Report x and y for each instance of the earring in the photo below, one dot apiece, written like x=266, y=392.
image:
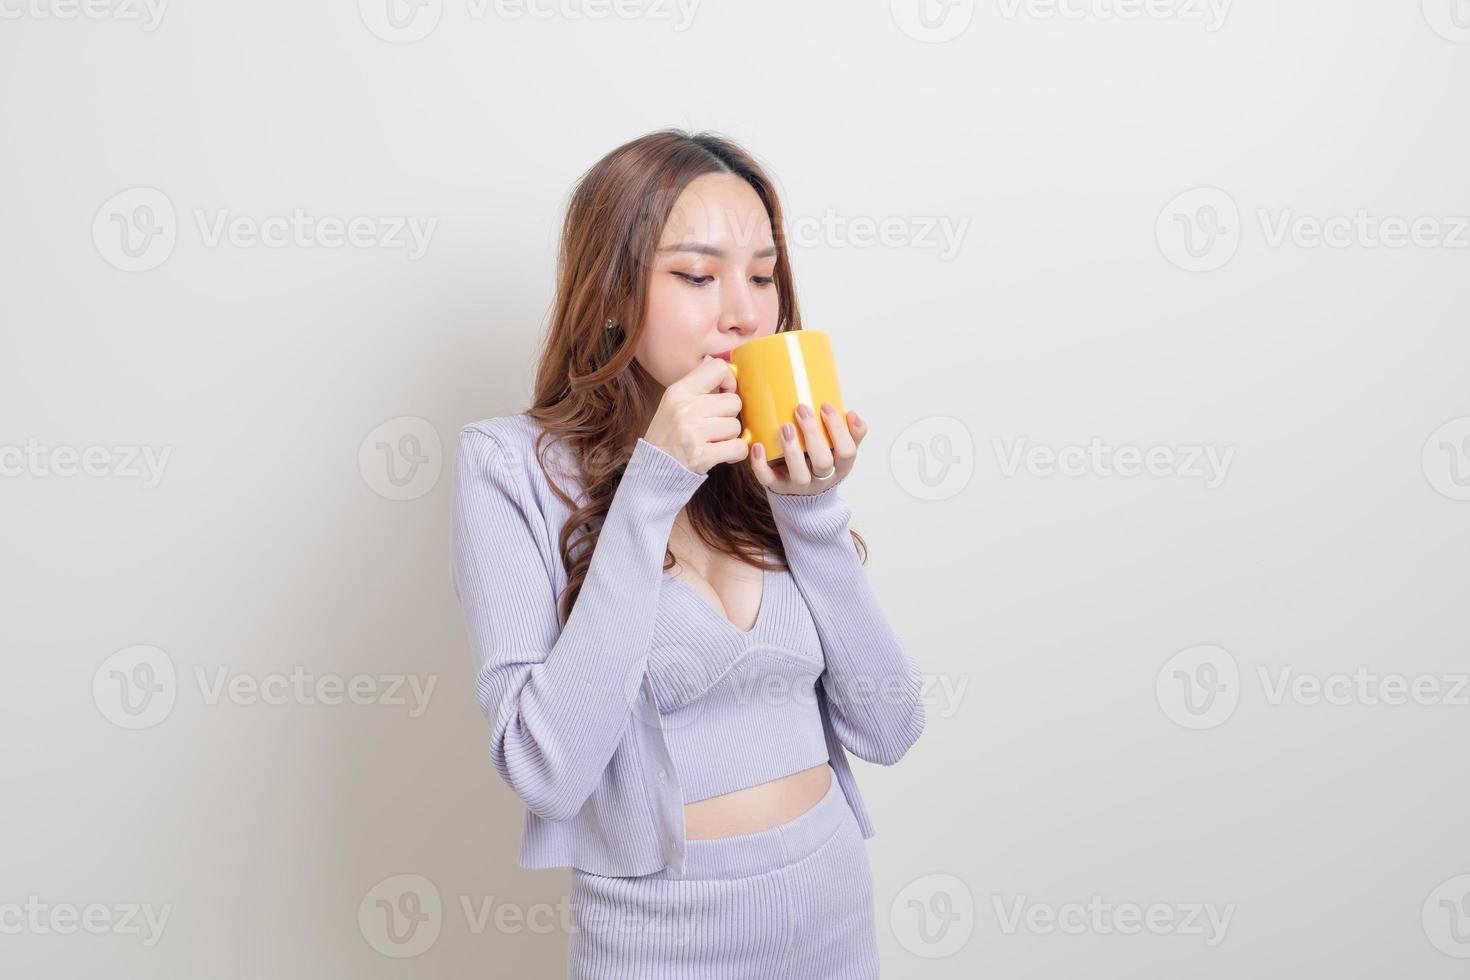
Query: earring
x=609, y=324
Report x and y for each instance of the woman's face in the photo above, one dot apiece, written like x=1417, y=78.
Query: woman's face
x=710, y=283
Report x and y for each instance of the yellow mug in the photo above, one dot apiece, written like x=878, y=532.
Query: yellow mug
x=774, y=374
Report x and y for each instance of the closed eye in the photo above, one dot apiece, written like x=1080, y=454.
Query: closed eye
x=701, y=280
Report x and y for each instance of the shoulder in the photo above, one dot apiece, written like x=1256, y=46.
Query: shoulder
x=509, y=442
x=509, y=433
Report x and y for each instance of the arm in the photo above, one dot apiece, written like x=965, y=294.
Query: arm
x=873, y=687
x=558, y=700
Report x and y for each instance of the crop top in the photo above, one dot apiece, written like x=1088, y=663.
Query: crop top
x=737, y=707
x=605, y=726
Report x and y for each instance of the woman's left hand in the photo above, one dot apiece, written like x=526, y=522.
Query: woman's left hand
x=792, y=474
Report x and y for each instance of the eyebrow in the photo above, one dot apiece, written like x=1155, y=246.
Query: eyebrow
x=703, y=249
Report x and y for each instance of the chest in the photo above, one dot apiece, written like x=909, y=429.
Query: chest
x=696, y=650
x=733, y=589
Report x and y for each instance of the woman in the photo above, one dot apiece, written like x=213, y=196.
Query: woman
x=677, y=648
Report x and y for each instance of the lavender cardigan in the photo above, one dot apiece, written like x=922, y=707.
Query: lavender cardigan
x=575, y=729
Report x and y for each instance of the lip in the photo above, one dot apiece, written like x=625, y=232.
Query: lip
x=723, y=355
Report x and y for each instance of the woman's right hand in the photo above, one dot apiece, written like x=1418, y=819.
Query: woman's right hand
x=698, y=419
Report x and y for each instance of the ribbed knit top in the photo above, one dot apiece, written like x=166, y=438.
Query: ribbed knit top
x=738, y=707
x=606, y=725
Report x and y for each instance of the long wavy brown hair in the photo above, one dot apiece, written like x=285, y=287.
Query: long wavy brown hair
x=590, y=390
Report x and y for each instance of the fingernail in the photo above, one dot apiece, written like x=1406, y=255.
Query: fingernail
x=857, y=418
x=827, y=407
x=803, y=412
x=788, y=430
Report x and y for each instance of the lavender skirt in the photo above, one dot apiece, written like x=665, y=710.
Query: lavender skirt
x=791, y=901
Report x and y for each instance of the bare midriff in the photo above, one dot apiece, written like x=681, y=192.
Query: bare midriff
x=757, y=807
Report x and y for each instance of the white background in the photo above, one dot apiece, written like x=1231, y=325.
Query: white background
x=1072, y=764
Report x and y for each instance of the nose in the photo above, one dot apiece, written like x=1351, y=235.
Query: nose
x=738, y=310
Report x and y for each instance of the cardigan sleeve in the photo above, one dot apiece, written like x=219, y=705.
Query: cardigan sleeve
x=873, y=687
x=558, y=698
